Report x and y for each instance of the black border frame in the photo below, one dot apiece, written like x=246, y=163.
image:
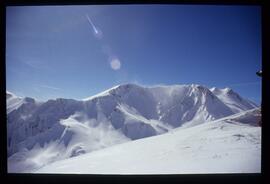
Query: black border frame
x=186, y=178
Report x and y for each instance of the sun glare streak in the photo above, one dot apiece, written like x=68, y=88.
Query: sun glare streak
x=97, y=32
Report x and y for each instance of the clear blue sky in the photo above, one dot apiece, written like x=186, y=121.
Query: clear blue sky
x=78, y=51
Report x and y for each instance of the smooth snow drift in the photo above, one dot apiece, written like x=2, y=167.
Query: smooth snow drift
x=40, y=133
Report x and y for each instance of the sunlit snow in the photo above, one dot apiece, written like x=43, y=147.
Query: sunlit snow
x=133, y=129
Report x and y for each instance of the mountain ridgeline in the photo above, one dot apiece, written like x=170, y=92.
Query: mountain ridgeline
x=122, y=113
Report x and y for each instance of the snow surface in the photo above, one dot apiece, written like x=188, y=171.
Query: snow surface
x=13, y=102
x=233, y=100
x=219, y=146
x=68, y=139
x=40, y=133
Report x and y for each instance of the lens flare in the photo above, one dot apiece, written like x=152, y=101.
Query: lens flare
x=115, y=64
x=97, y=32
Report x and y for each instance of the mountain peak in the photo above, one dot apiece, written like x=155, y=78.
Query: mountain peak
x=214, y=89
x=195, y=86
x=218, y=91
x=227, y=90
x=127, y=86
x=9, y=94
x=103, y=93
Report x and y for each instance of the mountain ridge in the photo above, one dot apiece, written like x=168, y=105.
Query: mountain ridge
x=125, y=112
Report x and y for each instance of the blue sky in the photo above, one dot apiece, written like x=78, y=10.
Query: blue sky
x=78, y=51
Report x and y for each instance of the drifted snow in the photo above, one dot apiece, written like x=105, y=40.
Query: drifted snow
x=42, y=133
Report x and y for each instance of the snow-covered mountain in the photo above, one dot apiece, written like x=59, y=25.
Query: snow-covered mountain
x=44, y=132
x=233, y=100
x=13, y=102
x=227, y=145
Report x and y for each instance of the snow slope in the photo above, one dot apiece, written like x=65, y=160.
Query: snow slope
x=72, y=137
x=233, y=100
x=13, y=102
x=64, y=128
x=228, y=145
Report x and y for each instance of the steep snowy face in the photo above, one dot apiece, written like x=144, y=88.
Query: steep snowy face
x=138, y=98
x=172, y=105
x=184, y=103
x=130, y=109
x=20, y=120
x=26, y=123
x=233, y=100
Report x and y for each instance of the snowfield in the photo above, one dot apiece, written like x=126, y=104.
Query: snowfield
x=130, y=129
x=223, y=146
